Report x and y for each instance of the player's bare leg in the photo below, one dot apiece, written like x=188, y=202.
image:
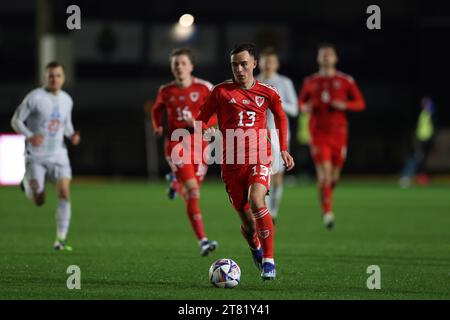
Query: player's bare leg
x=324, y=180
x=264, y=228
x=63, y=214
x=192, y=197
x=174, y=186
x=276, y=192
x=248, y=230
x=31, y=190
x=39, y=198
x=335, y=176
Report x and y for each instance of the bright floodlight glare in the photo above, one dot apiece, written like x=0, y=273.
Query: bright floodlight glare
x=180, y=33
x=12, y=164
x=186, y=20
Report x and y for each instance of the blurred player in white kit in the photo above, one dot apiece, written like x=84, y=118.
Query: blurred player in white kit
x=44, y=117
x=268, y=65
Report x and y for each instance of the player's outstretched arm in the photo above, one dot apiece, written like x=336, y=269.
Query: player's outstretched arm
x=69, y=131
x=356, y=101
x=280, y=120
x=157, y=114
x=18, y=123
x=281, y=124
x=20, y=116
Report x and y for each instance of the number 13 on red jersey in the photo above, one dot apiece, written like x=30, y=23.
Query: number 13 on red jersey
x=250, y=116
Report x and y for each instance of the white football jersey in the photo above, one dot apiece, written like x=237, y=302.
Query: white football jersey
x=289, y=100
x=47, y=114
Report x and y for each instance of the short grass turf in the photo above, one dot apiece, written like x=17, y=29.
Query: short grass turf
x=131, y=242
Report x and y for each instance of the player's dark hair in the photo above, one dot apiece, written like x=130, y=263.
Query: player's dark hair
x=53, y=64
x=249, y=47
x=182, y=51
x=326, y=45
x=268, y=51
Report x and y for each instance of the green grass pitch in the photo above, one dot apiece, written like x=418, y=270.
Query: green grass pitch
x=131, y=242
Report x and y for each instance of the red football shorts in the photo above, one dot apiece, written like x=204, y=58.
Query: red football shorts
x=185, y=172
x=238, y=181
x=332, y=151
x=192, y=166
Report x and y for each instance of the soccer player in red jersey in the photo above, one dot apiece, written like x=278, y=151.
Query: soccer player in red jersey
x=241, y=105
x=182, y=99
x=327, y=95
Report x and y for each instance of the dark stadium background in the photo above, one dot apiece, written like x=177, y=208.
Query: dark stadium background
x=393, y=66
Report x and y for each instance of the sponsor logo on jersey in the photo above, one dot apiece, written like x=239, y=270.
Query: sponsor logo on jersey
x=259, y=101
x=232, y=100
x=246, y=101
x=54, y=122
x=194, y=96
x=181, y=98
x=53, y=126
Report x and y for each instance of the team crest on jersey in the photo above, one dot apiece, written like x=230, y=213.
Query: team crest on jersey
x=194, y=96
x=259, y=101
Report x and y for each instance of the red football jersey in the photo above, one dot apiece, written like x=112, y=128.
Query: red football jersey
x=180, y=103
x=321, y=91
x=245, y=109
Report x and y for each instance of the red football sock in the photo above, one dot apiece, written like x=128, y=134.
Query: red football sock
x=252, y=239
x=326, y=198
x=193, y=211
x=264, y=229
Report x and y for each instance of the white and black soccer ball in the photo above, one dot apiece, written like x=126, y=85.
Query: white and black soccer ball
x=224, y=273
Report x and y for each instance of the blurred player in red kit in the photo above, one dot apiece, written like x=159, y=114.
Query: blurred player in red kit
x=241, y=105
x=327, y=95
x=182, y=99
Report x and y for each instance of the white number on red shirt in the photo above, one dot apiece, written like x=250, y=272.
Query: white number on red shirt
x=251, y=116
x=263, y=171
x=183, y=114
